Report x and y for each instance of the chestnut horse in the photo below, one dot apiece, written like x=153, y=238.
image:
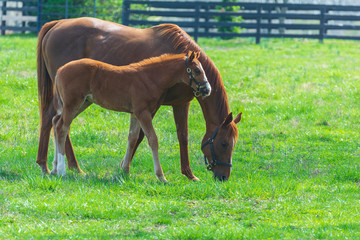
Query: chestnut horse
x=82, y=82
x=65, y=40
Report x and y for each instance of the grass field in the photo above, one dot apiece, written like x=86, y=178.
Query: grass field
x=296, y=171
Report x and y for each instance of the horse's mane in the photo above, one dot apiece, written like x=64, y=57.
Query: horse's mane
x=182, y=42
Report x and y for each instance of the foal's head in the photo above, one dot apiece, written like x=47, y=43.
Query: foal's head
x=198, y=80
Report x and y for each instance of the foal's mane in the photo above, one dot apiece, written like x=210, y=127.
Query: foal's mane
x=158, y=60
x=182, y=42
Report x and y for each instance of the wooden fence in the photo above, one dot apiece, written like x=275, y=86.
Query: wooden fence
x=258, y=20
x=199, y=19
x=18, y=16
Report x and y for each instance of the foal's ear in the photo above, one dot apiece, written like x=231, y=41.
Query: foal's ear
x=191, y=56
x=238, y=118
x=197, y=54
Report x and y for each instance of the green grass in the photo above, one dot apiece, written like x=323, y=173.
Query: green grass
x=296, y=167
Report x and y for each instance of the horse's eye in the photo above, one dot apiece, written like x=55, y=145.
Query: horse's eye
x=224, y=144
x=197, y=71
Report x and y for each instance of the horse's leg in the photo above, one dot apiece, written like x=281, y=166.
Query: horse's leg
x=69, y=151
x=140, y=137
x=70, y=156
x=181, y=113
x=45, y=129
x=139, y=140
x=132, y=143
x=145, y=119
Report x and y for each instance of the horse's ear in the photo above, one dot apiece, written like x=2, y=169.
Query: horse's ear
x=191, y=56
x=238, y=118
x=228, y=120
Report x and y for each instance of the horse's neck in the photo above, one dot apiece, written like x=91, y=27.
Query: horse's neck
x=215, y=107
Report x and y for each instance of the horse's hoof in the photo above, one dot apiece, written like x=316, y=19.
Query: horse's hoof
x=194, y=179
x=125, y=171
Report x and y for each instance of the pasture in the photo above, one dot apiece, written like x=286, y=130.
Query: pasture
x=296, y=168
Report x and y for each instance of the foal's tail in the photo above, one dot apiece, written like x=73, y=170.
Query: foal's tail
x=45, y=84
x=58, y=103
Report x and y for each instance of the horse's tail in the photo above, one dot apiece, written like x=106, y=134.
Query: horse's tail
x=45, y=84
x=58, y=103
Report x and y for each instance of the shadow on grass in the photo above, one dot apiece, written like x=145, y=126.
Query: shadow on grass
x=115, y=177
x=8, y=175
x=126, y=235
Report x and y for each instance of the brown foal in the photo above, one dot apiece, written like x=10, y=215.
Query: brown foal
x=137, y=88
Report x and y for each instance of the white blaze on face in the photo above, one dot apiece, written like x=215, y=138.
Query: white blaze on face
x=208, y=86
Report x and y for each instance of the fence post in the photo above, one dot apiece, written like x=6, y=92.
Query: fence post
x=94, y=15
x=38, y=22
x=3, y=22
x=125, y=13
x=322, y=25
x=207, y=9
x=196, y=27
x=258, y=25
x=269, y=20
x=66, y=9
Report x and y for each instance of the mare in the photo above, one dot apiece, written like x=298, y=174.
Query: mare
x=62, y=41
x=80, y=83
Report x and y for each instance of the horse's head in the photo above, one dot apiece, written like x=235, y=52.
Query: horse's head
x=218, y=147
x=198, y=80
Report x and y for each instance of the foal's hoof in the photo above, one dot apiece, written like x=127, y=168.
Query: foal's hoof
x=162, y=179
x=79, y=171
x=45, y=169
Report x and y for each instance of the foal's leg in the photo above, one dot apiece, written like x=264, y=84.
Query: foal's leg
x=55, y=162
x=139, y=139
x=145, y=119
x=132, y=143
x=181, y=113
x=61, y=129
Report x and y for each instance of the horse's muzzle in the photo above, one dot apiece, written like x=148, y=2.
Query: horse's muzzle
x=220, y=178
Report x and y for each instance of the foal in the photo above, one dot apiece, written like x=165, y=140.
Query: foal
x=137, y=88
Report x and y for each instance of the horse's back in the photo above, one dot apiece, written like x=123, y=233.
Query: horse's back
x=72, y=39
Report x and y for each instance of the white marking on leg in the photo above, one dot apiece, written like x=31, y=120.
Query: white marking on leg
x=61, y=164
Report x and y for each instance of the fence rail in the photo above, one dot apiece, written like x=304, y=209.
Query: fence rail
x=16, y=16
x=259, y=20
x=199, y=19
